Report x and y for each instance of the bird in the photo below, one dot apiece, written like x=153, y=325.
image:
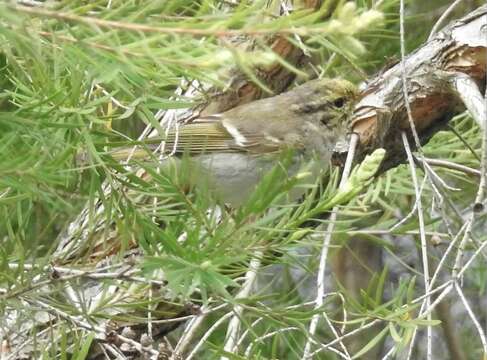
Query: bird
x=233, y=150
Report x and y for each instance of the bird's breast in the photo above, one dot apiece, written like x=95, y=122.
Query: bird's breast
x=234, y=176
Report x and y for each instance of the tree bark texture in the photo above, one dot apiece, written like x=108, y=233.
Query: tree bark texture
x=381, y=115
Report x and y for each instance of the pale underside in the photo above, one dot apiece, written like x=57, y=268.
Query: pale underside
x=232, y=177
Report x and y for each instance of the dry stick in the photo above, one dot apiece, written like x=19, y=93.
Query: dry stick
x=324, y=252
x=266, y=336
x=149, y=314
x=472, y=315
x=466, y=228
x=234, y=324
x=483, y=164
x=469, y=262
x=187, y=336
x=422, y=312
x=446, y=253
x=112, y=98
x=13, y=355
x=189, y=332
x=207, y=334
x=462, y=218
x=390, y=352
x=332, y=349
x=468, y=91
x=61, y=273
x=432, y=282
x=410, y=214
x=430, y=172
x=31, y=2
x=347, y=335
x=453, y=166
x=450, y=332
x=100, y=332
x=424, y=250
x=388, y=232
x=112, y=350
x=430, y=293
x=440, y=298
x=448, y=287
x=344, y=315
x=479, y=112
x=247, y=331
x=442, y=18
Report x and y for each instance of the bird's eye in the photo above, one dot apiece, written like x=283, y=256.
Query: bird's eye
x=339, y=102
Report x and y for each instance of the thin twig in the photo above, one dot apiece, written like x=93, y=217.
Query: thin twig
x=390, y=352
x=320, y=281
x=67, y=274
x=472, y=315
x=424, y=250
x=424, y=246
x=453, y=166
x=445, y=255
x=246, y=332
x=430, y=293
x=207, y=334
x=268, y=335
x=411, y=213
x=438, y=299
x=456, y=274
x=190, y=330
x=423, y=298
x=345, y=336
x=442, y=18
x=31, y=2
x=234, y=324
x=100, y=332
x=469, y=262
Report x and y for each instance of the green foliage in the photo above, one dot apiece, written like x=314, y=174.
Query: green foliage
x=78, y=78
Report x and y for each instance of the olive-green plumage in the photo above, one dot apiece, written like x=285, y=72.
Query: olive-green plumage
x=269, y=124
x=236, y=147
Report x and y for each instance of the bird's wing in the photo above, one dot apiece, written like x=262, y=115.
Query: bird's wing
x=222, y=134
x=215, y=133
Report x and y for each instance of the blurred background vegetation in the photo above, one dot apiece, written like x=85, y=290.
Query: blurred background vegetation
x=77, y=77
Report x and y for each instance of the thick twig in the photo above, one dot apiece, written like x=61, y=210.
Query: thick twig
x=467, y=90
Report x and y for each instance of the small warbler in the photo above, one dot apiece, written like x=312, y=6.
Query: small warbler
x=237, y=147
